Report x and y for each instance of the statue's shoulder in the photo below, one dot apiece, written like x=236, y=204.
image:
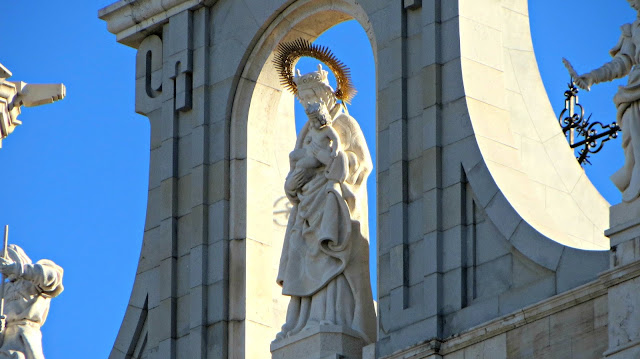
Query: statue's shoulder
x=626, y=29
x=351, y=136
x=49, y=265
x=625, y=40
x=53, y=273
x=348, y=122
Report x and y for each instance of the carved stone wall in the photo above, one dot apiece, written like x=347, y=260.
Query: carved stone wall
x=572, y=325
x=474, y=177
x=170, y=310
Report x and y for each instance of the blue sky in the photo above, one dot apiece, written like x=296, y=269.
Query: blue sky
x=75, y=173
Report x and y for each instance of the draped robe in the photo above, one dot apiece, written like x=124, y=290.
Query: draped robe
x=27, y=301
x=324, y=265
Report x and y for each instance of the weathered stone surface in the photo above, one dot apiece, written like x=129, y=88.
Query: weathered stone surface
x=564, y=327
x=474, y=180
x=320, y=343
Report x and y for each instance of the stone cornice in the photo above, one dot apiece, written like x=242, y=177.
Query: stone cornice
x=545, y=308
x=621, y=274
x=132, y=20
x=503, y=324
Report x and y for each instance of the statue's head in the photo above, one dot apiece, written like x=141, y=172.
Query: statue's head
x=635, y=4
x=314, y=88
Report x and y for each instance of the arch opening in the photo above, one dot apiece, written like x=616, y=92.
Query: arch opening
x=263, y=132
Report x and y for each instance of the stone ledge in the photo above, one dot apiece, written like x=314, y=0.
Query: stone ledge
x=132, y=20
x=325, y=341
x=623, y=232
x=620, y=274
x=624, y=218
x=619, y=349
x=509, y=322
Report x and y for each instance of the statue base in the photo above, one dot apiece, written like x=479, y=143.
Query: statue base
x=623, y=281
x=322, y=342
x=624, y=233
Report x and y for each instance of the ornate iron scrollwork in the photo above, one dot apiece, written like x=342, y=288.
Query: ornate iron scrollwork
x=580, y=132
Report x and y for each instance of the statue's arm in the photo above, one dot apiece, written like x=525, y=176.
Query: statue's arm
x=302, y=134
x=291, y=182
x=46, y=275
x=618, y=67
x=335, y=141
x=290, y=186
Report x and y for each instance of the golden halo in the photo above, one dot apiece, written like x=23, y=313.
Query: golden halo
x=289, y=52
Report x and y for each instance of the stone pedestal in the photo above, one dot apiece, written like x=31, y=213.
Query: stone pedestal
x=323, y=342
x=623, y=280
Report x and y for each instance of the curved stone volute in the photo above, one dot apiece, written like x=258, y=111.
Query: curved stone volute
x=517, y=132
x=510, y=218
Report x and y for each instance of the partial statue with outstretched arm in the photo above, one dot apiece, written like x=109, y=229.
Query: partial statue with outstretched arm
x=15, y=94
x=625, y=60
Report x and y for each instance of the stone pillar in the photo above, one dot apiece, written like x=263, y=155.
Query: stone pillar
x=623, y=280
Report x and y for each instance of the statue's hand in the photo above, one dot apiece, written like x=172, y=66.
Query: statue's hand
x=10, y=268
x=584, y=82
x=301, y=178
x=296, y=180
x=321, y=154
x=290, y=184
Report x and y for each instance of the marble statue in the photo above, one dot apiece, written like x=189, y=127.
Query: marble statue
x=625, y=58
x=324, y=266
x=27, y=297
x=14, y=95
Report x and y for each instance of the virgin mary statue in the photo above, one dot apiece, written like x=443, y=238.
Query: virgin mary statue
x=324, y=266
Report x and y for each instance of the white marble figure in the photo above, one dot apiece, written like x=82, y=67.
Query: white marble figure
x=28, y=294
x=324, y=266
x=15, y=94
x=626, y=58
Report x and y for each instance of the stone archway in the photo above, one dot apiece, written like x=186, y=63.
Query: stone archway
x=449, y=225
x=262, y=134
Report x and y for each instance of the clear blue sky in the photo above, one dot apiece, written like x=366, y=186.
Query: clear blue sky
x=75, y=173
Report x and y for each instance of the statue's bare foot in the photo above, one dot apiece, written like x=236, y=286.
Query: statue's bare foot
x=311, y=324
x=281, y=336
